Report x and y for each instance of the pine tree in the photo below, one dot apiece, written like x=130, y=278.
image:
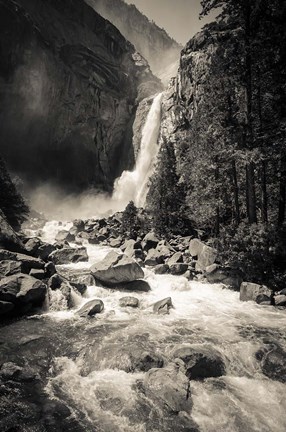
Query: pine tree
x=166, y=196
x=11, y=202
x=130, y=224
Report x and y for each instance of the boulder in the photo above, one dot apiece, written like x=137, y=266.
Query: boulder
x=273, y=363
x=37, y=274
x=79, y=278
x=21, y=289
x=78, y=224
x=69, y=255
x=9, y=239
x=169, y=387
x=201, y=361
x=175, y=259
x=39, y=249
x=150, y=241
x=64, y=236
x=29, y=263
x=206, y=257
x=227, y=276
x=91, y=308
x=249, y=291
x=280, y=300
x=57, y=282
x=178, y=268
x=154, y=257
x=116, y=242
x=263, y=299
x=129, y=302
x=115, y=269
x=50, y=269
x=196, y=247
x=8, y=267
x=163, y=306
x=161, y=269
x=145, y=360
x=95, y=238
x=6, y=307
x=137, y=285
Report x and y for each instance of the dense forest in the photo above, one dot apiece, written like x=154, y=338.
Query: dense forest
x=231, y=146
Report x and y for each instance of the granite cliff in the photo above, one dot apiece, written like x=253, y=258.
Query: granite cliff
x=70, y=85
x=161, y=51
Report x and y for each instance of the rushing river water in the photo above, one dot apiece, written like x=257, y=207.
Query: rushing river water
x=90, y=358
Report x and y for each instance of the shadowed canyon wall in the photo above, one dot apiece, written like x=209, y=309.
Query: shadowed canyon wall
x=69, y=88
x=161, y=51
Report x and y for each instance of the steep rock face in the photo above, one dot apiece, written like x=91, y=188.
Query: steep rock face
x=161, y=51
x=70, y=84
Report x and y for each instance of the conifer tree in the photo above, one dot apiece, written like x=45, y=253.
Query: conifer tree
x=166, y=196
x=130, y=224
x=11, y=202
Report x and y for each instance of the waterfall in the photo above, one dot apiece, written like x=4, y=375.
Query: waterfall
x=133, y=185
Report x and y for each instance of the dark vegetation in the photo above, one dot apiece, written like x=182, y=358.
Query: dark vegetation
x=233, y=161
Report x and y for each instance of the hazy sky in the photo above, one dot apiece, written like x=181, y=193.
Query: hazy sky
x=180, y=18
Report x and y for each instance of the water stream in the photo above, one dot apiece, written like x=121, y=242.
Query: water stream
x=92, y=371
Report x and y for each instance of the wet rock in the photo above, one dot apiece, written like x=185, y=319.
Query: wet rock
x=143, y=361
x=163, y=306
x=22, y=289
x=8, y=267
x=79, y=278
x=227, y=276
x=201, y=361
x=263, y=299
x=116, y=242
x=37, y=274
x=50, y=269
x=154, y=257
x=6, y=307
x=273, y=363
x=178, y=268
x=250, y=291
x=137, y=285
x=280, y=300
x=9, y=239
x=64, y=236
x=175, y=259
x=39, y=249
x=196, y=247
x=69, y=255
x=78, y=224
x=95, y=238
x=57, y=282
x=169, y=387
x=150, y=241
x=115, y=269
x=161, y=269
x=11, y=371
x=129, y=302
x=91, y=308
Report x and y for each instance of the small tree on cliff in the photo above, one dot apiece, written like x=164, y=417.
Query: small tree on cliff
x=130, y=224
x=11, y=202
x=166, y=196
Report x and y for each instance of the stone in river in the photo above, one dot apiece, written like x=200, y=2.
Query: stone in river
x=169, y=387
x=115, y=269
x=201, y=361
x=250, y=291
x=69, y=255
x=129, y=302
x=91, y=308
x=163, y=306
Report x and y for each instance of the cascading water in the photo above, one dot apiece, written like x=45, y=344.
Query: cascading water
x=93, y=359
x=133, y=185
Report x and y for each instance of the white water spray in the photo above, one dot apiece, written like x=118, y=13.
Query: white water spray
x=133, y=185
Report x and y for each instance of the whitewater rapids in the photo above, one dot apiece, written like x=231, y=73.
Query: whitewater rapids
x=95, y=382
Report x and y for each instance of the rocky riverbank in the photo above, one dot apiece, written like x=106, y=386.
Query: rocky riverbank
x=157, y=344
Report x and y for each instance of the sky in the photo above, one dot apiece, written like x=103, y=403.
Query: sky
x=180, y=18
